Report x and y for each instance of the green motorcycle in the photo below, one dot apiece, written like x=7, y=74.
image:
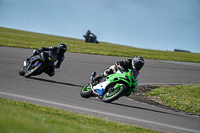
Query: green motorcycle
x=111, y=87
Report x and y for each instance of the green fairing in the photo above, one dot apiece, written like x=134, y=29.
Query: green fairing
x=116, y=85
x=132, y=83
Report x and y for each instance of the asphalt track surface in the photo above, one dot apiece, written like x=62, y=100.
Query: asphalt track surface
x=63, y=90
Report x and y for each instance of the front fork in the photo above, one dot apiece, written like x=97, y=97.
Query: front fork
x=94, y=92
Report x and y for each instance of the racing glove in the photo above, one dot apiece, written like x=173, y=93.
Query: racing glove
x=120, y=67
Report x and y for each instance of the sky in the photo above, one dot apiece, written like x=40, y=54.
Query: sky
x=149, y=24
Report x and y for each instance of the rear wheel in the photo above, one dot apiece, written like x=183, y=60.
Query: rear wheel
x=86, y=91
x=32, y=70
x=113, y=94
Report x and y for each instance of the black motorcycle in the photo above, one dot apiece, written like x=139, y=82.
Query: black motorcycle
x=38, y=64
x=90, y=39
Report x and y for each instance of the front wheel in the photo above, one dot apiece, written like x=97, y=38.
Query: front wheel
x=21, y=71
x=86, y=91
x=114, y=93
x=33, y=69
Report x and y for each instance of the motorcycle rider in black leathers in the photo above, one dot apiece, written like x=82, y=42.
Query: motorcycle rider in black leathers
x=59, y=51
x=135, y=64
x=90, y=37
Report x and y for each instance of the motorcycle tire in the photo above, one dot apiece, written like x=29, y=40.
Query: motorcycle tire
x=21, y=72
x=86, y=91
x=30, y=72
x=114, y=95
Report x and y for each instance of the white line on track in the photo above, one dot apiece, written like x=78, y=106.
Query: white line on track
x=162, y=84
x=99, y=112
x=183, y=63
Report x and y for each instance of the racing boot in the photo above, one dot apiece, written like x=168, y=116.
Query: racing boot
x=98, y=78
x=92, y=77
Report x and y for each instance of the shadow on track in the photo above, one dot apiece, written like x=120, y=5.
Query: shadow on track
x=56, y=82
x=140, y=108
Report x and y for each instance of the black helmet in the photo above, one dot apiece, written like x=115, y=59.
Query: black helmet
x=137, y=63
x=62, y=48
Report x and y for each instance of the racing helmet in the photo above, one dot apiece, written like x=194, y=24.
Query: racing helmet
x=62, y=48
x=137, y=63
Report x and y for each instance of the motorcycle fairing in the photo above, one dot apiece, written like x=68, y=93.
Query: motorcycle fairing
x=34, y=58
x=101, y=87
x=26, y=64
x=116, y=80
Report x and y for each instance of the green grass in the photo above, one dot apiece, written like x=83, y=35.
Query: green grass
x=21, y=117
x=23, y=39
x=185, y=97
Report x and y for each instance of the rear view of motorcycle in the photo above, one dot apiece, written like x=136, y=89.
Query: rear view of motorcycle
x=111, y=87
x=37, y=64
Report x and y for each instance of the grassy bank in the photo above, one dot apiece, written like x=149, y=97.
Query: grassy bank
x=185, y=97
x=21, y=117
x=23, y=39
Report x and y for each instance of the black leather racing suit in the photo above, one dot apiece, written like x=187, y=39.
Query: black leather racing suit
x=60, y=58
x=124, y=65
